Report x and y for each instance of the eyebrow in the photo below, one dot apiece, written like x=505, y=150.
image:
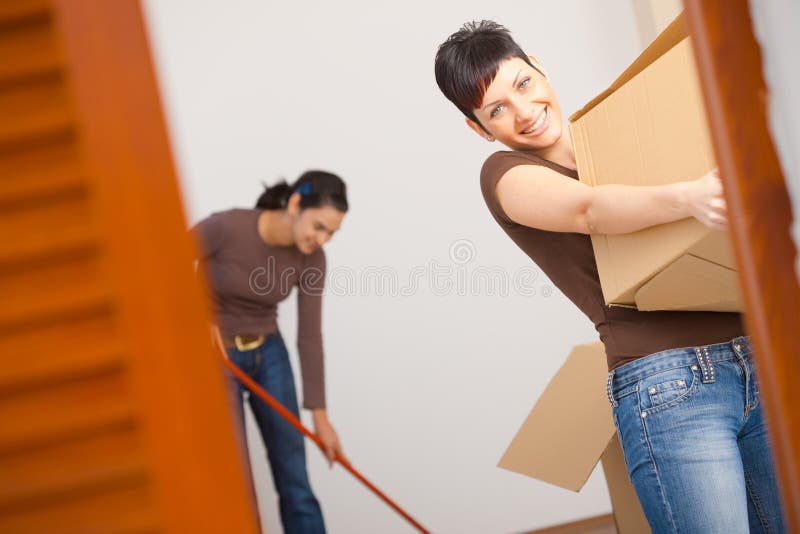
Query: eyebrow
x=513, y=84
x=326, y=228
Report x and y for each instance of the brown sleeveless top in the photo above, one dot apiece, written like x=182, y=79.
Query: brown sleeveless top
x=568, y=260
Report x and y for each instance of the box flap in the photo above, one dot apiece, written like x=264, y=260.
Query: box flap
x=628, y=513
x=568, y=429
x=716, y=248
x=626, y=261
x=691, y=283
x=672, y=35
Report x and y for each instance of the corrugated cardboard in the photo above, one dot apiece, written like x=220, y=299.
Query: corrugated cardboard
x=650, y=128
x=628, y=514
x=570, y=429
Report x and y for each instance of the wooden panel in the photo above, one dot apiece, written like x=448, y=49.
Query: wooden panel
x=28, y=49
x=41, y=475
x=120, y=509
x=48, y=413
x=16, y=11
x=37, y=228
x=33, y=109
x=729, y=63
x=174, y=374
x=114, y=414
x=94, y=346
x=37, y=281
x=45, y=170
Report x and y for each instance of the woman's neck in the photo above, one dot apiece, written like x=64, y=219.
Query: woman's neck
x=561, y=152
x=275, y=229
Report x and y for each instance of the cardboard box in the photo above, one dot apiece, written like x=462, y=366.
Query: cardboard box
x=570, y=429
x=650, y=128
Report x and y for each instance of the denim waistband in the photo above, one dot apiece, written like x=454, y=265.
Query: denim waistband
x=703, y=356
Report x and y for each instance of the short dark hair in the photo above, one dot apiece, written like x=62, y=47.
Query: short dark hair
x=468, y=61
x=316, y=189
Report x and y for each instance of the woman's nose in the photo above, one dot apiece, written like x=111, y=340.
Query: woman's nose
x=524, y=112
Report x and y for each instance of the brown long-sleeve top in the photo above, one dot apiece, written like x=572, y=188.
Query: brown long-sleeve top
x=248, y=279
x=568, y=260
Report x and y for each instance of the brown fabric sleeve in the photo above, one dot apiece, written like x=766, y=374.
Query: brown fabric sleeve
x=309, y=329
x=209, y=235
x=493, y=169
x=497, y=165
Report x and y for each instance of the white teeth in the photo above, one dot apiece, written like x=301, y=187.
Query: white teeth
x=538, y=122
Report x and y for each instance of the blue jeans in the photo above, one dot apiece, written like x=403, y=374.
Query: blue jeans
x=695, y=442
x=269, y=366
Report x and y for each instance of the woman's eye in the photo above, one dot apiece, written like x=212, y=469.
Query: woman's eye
x=495, y=111
x=524, y=83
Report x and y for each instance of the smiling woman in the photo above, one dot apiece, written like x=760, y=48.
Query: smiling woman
x=515, y=123
x=253, y=258
x=695, y=366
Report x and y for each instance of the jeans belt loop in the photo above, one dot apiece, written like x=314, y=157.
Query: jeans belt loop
x=609, y=393
x=706, y=367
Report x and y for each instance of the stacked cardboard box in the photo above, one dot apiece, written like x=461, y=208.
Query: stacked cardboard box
x=649, y=127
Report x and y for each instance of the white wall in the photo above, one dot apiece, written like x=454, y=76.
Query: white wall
x=652, y=16
x=426, y=389
x=775, y=24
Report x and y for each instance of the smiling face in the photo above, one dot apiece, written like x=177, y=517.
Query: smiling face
x=313, y=227
x=520, y=109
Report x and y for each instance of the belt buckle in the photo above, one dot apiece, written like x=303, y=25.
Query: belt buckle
x=250, y=345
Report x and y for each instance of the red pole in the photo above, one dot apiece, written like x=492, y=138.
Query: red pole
x=286, y=414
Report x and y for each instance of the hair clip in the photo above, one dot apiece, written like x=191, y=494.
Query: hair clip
x=304, y=189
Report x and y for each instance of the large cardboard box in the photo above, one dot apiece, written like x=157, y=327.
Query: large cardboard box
x=649, y=128
x=570, y=429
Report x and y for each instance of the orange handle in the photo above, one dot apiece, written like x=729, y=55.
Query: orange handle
x=289, y=416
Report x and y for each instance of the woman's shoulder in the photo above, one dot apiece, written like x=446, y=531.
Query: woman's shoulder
x=499, y=163
x=231, y=218
x=502, y=161
x=236, y=214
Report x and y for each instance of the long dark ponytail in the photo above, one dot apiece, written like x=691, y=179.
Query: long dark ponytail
x=316, y=189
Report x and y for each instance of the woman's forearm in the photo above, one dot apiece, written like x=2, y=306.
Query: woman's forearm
x=319, y=415
x=620, y=209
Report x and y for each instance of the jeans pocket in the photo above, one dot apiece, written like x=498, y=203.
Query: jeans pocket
x=668, y=388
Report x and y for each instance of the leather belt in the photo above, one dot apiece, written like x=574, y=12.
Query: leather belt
x=243, y=342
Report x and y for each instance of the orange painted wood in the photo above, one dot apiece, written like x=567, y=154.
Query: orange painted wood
x=176, y=381
x=16, y=11
x=51, y=170
x=33, y=110
x=729, y=64
x=28, y=49
x=109, y=509
x=114, y=415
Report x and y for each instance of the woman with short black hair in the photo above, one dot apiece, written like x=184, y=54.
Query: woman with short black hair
x=681, y=384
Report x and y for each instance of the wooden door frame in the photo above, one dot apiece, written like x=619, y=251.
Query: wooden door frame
x=729, y=64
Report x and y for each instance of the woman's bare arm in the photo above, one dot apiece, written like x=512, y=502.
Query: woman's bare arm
x=540, y=197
